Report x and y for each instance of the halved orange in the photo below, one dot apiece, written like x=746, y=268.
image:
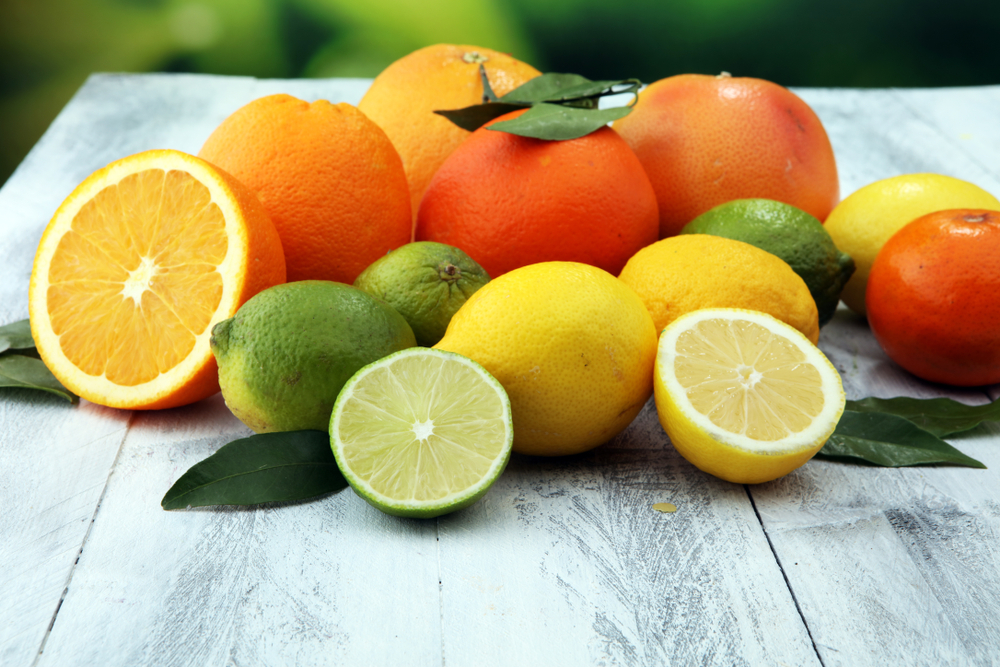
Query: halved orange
x=136, y=267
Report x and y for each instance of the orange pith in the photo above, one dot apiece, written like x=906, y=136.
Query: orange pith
x=134, y=269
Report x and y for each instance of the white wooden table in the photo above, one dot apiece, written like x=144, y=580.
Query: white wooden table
x=564, y=562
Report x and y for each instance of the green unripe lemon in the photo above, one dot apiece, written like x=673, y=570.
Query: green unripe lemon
x=286, y=354
x=791, y=234
x=426, y=282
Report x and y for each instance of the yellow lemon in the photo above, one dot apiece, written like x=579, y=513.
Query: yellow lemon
x=861, y=224
x=573, y=347
x=743, y=396
x=684, y=273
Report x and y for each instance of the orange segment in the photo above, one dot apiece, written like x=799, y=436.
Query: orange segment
x=135, y=268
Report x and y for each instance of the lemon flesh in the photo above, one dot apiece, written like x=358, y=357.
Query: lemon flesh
x=421, y=432
x=743, y=396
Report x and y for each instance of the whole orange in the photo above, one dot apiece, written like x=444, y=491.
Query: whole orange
x=403, y=98
x=933, y=297
x=328, y=176
x=706, y=140
x=509, y=201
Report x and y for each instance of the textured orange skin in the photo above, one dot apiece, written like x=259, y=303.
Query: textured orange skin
x=403, y=98
x=263, y=266
x=509, y=201
x=706, y=140
x=933, y=297
x=328, y=176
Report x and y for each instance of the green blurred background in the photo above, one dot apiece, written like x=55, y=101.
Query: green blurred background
x=48, y=47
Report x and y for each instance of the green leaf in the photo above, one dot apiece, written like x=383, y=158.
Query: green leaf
x=264, y=468
x=18, y=370
x=569, y=91
x=889, y=440
x=940, y=416
x=568, y=88
x=474, y=117
x=16, y=336
x=555, y=122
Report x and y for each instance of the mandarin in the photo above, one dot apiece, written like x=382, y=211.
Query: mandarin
x=705, y=140
x=933, y=297
x=328, y=176
x=137, y=265
x=509, y=201
x=403, y=98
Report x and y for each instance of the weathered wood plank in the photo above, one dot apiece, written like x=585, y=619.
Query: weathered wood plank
x=57, y=458
x=895, y=566
x=322, y=582
x=566, y=562
x=563, y=560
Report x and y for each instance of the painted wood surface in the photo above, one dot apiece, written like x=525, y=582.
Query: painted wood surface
x=563, y=562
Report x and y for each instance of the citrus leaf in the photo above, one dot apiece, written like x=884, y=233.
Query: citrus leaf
x=566, y=88
x=555, y=122
x=264, y=468
x=18, y=370
x=889, y=440
x=940, y=416
x=16, y=336
x=474, y=117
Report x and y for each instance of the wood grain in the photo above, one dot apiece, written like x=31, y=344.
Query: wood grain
x=563, y=562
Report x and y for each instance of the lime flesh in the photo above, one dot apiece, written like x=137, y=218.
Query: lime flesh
x=421, y=432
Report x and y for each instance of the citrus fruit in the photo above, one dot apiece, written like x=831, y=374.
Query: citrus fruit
x=328, y=176
x=134, y=269
x=685, y=273
x=573, y=347
x=791, y=234
x=421, y=432
x=705, y=140
x=934, y=297
x=426, y=283
x=403, y=98
x=288, y=351
x=509, y=201
x=864, y=221
x=743, y=396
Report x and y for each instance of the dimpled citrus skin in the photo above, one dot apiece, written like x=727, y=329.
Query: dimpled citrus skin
x=509, y=201
x=328, y=176
x=705, y=140
x=934, y=297
x=403, y=98
x=285, y=355
x=573, y=347
x=791, y=234
x=864, y=221
x=694, y=271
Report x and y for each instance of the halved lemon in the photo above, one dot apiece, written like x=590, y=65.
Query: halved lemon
x=421, y=432
x=744, y=396
x=134, y=269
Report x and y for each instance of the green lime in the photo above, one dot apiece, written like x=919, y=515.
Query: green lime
x=422, y=432
x=286, y=354
x=426, y=282
x=791, y=234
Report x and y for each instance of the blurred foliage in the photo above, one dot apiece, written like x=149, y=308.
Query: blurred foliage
x=49, y=47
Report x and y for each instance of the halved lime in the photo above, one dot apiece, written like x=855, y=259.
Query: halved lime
x=421, y=432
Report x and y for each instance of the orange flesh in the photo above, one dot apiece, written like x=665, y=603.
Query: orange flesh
x=135, y=280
